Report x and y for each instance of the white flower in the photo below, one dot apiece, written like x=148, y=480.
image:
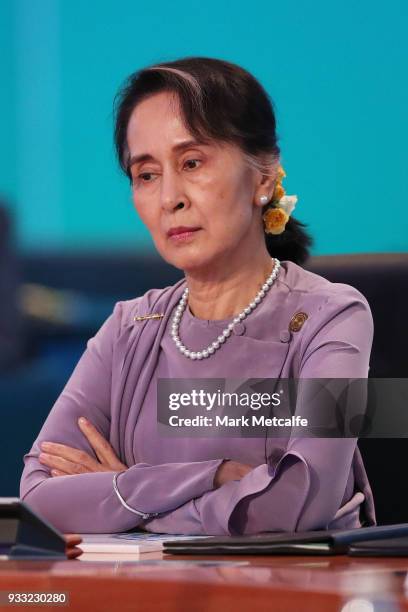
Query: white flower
x=288, y=203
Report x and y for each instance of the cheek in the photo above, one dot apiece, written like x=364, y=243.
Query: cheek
x=150, y=217
x=211, y=182
x=233, y=191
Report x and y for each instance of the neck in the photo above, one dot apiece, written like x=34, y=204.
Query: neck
x=227, y=290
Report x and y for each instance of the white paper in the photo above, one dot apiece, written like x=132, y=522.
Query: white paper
x=129, y=544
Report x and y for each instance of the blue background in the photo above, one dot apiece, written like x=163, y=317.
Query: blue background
x=336, y=71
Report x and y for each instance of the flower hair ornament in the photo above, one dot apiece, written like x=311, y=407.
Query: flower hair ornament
x=282, y=205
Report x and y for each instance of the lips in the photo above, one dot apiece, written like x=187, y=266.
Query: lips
x=182, y=229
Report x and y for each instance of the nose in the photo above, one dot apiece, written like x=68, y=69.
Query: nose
x=172, y=194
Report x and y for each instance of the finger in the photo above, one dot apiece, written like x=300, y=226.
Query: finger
x=55, y=472
x=73, y=553
x=101, y=446
x=69, y=467
x=73, y=455
x=72, y=539
x=244, y=471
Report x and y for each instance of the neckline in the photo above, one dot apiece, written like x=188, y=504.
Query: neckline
x=222, y=323
x=205, y=322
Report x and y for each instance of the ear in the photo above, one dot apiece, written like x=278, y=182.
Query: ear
x=265, y=182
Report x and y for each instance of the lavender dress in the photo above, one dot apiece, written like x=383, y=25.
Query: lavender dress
x=296, y=484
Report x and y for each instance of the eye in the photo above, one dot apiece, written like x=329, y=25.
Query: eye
x=145, y=177
x=190, y=161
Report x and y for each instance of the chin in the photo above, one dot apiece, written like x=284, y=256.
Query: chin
x=175, y=256
x=187, y=262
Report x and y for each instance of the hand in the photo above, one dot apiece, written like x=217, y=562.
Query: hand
x=71, y=549
x=230, y=470
x=65, y=460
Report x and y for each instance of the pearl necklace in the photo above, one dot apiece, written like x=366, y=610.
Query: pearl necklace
x=227, y=331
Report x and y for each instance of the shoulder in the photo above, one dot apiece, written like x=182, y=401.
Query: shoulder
x=317, y=289
x=328, y=307
x=336, y=337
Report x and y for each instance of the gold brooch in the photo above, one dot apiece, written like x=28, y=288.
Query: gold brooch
x=296, y=322
x=149, y=316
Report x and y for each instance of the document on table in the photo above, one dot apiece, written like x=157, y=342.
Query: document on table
x=125, y=545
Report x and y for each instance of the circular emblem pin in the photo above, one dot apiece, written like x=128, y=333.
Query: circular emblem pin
x=297, y=321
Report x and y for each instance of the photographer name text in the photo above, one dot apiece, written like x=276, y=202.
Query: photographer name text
x=242, y=421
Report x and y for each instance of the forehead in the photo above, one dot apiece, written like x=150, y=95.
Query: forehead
x=158, y=115
x=156, y=127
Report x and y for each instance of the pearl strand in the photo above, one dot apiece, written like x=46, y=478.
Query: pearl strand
x=210, y=350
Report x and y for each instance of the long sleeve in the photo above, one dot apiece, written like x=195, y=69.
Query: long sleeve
x=87, y=502
x=304, y=489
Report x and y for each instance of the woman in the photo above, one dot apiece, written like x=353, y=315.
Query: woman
x=197, y=139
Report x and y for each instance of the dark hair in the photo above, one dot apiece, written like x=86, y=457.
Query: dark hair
x=219, y=101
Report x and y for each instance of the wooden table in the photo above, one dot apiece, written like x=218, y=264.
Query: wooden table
x=247, y=583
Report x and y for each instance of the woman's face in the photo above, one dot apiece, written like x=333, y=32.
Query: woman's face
x=212, y=181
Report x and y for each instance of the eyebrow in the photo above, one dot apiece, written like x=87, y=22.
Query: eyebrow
x=181, y=146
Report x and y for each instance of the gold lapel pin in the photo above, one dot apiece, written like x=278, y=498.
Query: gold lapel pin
x=296, y=322
x=149, y=316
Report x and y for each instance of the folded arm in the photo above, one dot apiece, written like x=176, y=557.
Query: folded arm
x=87, y=502
x=304, y=489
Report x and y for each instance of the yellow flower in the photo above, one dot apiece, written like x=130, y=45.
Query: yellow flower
x=275, y=220
x=278, y=193
x=281, y=174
